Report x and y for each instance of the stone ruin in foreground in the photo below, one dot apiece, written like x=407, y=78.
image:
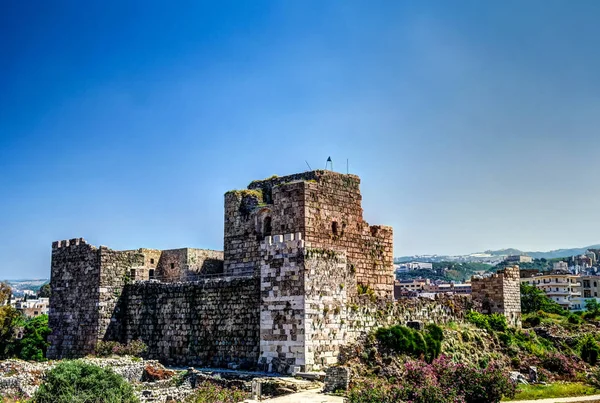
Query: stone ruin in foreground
x=301, y=275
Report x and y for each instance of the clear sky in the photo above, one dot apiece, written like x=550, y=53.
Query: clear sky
x=473, y=124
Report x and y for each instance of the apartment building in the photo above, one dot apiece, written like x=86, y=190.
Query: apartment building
x=561, y=287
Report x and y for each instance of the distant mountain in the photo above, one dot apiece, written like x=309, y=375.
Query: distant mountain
x=494, y=256
x=22, y=285
x=547, y=255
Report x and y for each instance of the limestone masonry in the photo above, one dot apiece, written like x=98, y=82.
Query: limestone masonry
x=301, y=275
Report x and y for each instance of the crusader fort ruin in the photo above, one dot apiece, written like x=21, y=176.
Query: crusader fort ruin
x=301, y=275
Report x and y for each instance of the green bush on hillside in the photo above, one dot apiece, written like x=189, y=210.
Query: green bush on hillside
x=78, y=382
x=404, y=340
x=495, y=321
x=589, y=350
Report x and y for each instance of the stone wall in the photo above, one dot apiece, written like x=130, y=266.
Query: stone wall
x=327, y=281
x=282, y=312
x=73, y=314
x=499, y=293
x=211, y=322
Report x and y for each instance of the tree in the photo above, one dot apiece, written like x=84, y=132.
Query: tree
x=34, y=341
x=593, y=307
x=533, y=299
x=44, y=291
x=5, y=293
x=9, y=318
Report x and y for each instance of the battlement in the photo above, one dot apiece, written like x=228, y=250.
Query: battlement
x=293, y=240
x=68, y=242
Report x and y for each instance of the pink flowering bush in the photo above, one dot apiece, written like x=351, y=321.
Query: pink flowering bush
x=562, y=366
x=442, y=381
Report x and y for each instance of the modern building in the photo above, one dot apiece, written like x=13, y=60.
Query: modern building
x=32, y=307
x=516, y=259
x=561, y=287
x=560, y=266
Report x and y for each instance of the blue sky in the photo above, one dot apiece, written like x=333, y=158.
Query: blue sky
x=473, y=124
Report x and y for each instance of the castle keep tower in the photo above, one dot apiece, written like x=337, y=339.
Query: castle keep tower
x=325, y=208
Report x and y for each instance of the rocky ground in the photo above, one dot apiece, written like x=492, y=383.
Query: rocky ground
x=152, y=382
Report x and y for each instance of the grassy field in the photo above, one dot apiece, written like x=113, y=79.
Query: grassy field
x=531, y=392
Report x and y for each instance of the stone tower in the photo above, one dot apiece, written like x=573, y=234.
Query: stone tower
x=500, y=293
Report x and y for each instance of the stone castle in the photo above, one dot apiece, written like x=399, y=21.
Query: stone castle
x=301, y=275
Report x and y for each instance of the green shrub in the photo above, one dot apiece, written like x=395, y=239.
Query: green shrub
x=574, y=319
x=532, y=321
x=134, y=348
x=478, y=319
x=589, y=349
x=497, y=322
x=401, y=339
x=78, y=382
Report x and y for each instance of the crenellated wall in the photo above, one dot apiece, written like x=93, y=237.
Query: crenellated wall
x=73, y=313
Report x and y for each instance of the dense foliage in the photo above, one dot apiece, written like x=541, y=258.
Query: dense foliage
x=404, y=340
x=21, y=337
x=78, y=382
x=494, y=321
x=34, y=341
x=44, y=291
x=589, y=349
x=442, y=381
x=533, y=299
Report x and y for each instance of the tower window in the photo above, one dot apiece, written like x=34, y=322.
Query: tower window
x=172, y=265
x=151, y=274
x=151, y=261
x=267, y=228
x=334, y=227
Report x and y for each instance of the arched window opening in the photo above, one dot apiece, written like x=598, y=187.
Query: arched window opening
x=267, y=227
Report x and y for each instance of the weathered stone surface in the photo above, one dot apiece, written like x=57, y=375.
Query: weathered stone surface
x=500, y=293
x=336, y=378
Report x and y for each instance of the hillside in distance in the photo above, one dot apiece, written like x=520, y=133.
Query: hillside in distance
x=490, y=255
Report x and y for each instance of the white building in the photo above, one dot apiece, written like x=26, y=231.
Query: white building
x=559, y=287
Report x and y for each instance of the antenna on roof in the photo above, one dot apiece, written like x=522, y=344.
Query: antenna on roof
x=330, y=163
x=309, y=168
